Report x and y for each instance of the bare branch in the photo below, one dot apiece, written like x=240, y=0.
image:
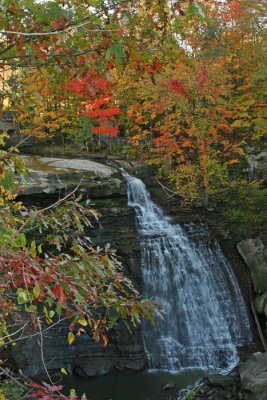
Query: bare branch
x=42, y=352
x=7, y=373
x=69, y=29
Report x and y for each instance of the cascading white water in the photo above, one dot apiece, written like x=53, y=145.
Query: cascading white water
x=205, y=314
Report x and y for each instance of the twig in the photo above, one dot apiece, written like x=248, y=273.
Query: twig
x=166, y=189
x=15, y=147
x=38, y=212
x=42, y=352
x=69, y=28
x=37, y=333
x=14, y=333
x=12, y=377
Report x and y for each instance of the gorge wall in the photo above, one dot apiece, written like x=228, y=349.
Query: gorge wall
x=49, y=178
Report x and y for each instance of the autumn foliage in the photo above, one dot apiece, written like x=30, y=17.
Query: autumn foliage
x=94, y=92
x=184, y=81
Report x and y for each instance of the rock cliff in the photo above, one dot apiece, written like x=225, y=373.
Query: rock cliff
x=48, y=178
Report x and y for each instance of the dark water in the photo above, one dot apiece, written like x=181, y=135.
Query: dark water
x=133, y=386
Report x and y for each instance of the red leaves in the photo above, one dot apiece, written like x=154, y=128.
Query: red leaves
x=59, y=292
x=94, y=90
x=106, y=130
x=201, y=80
x=177, y=87
x=46, y=391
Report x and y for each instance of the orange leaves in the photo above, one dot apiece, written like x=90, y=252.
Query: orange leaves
x=41, y=54
x=59, y=292
x=233, y=161
x=187, y=143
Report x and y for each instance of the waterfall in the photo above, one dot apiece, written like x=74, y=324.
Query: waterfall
x=205, y=315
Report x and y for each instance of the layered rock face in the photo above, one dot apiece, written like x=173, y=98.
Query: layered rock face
x=48, y=178
x=254, y=254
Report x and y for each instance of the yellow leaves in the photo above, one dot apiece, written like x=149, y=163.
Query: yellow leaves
x=3, y=136
x=63, y=371
x=71, y=338
x=240, y=123
x=82, y=322
x=231, y=162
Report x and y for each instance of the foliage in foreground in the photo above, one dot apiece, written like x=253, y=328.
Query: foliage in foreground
x=60, y=276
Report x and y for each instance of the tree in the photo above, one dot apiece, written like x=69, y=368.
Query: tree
x=195, y=117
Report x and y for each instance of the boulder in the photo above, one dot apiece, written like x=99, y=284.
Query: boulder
x=222, y=381
x=253, y=375
x=254, y=253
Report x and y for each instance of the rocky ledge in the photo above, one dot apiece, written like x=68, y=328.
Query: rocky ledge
x=54, y=175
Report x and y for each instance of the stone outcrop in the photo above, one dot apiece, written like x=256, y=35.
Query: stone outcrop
x=254, y=253
x=54, y=175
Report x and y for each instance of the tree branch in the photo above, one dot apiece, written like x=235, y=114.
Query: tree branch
x=38, y=212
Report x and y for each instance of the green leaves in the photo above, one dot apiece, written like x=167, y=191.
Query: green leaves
x=23, y=296
x=21, y=240
x=36, y=291
x=117, y=51
x=8, y=181
x=33, y=249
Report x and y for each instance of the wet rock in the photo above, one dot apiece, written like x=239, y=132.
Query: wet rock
x=220, y=380
x=253, y=374
x=168, y=386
